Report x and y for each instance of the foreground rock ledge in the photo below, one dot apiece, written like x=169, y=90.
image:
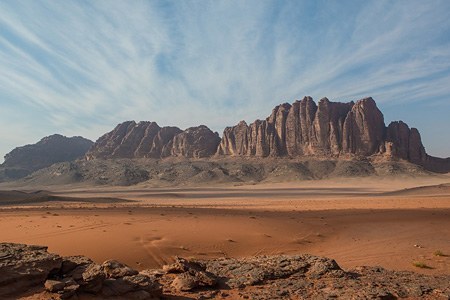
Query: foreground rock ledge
x=32, y=272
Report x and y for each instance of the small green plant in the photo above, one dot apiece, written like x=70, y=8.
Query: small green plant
x=439, y=253
x=421, y=264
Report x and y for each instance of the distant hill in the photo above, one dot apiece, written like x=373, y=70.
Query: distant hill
x=51, y=149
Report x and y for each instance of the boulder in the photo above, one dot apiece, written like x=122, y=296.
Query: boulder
x=54, y=285
x=92, y=279
x=115, y=269
x=23, y=267
x=69, y=263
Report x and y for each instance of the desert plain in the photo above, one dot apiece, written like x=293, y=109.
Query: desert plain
x=392, y=222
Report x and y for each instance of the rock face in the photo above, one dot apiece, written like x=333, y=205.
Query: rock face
x=326, y=129
x=405, y=143
x=304, y=128
x=31, y=270
x=148, y=140
x=364, y=129
x=25, y=268
x=50, y=150
x=294, y=277
x=196, y=142
x=329, y=129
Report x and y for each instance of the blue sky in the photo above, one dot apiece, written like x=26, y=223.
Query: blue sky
x=81, y=67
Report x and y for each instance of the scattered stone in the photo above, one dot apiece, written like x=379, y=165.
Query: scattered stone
x=184, y=282
x=69, y=290
x=54, y=285
x=143, y=282
x=116, y=287
x=92, y=279
x=193, y=275
x=115, y=269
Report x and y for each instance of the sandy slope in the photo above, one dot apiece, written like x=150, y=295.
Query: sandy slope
x=356, y=222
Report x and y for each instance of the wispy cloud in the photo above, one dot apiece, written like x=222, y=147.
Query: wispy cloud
x=80, y=67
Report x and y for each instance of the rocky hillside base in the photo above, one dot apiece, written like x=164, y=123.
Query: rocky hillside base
x=32, y=271
x=196, y=172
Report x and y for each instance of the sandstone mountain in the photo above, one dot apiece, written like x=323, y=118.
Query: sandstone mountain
x=303, y=129
x=52, y=149
x=148, y=140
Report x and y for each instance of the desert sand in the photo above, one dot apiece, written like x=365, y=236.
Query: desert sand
x=376, y=222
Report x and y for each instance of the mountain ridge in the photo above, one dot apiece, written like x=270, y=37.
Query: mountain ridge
x=304, y=128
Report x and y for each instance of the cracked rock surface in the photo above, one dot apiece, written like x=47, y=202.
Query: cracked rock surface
x=33, y=273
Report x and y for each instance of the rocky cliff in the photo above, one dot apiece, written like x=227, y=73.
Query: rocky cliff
x=304, y=128
x=148, y=140
x=328, y=129
x=52, y=149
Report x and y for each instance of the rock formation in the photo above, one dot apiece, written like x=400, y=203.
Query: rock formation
x=50, y=150
x=31, y=270
x=148, y=140
x=329, y=129
x=26, y=268
x=304, y=128
x=196, y=142
x=326, y=129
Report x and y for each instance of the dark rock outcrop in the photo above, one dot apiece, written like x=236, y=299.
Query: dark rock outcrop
x=26, y=268
x=31, y=270
x=295, y=277
x=50, y=150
